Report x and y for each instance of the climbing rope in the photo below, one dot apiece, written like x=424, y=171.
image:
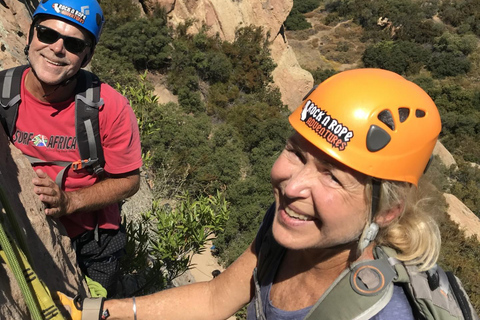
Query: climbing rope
x=36, y=295
x=10, y=257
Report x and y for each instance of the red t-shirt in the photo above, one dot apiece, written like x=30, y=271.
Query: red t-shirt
x=47, y=131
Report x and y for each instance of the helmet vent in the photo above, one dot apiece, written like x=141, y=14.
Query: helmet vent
x=403, y=114
x=377, y=138
x=98, y=19
x=419, y=113
x=386, y=117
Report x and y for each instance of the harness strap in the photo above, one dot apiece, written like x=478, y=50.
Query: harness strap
x=87, y=105
x=372, y=283
x=10, y=96
x=60, y=176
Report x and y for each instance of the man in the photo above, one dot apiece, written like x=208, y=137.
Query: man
x=61, y=41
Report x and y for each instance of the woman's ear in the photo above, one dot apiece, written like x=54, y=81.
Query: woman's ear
x=386, y=217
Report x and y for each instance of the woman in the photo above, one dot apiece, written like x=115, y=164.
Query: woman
x=343, y=185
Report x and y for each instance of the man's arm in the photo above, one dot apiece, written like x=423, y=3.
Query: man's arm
x=103, y=193
x=218, y=298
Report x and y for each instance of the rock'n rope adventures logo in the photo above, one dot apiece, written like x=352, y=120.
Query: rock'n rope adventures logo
x=330, y=129
x=70, y=12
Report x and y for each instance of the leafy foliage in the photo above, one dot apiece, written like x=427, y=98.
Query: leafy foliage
x=161, y=245
x=465, y=15
x=397, y=56
x=296, y=20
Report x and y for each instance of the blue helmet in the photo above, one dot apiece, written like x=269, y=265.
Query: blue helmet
x=86, y=14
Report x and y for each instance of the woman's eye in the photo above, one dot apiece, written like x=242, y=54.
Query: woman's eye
x=332, y=178
x=294, y=152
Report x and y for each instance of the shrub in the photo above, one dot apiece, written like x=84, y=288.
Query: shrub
x=399, y=56
x=160, y=246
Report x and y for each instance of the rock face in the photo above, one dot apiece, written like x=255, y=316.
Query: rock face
x=463, y=216
x=224, y=17
x=53, y=258
x=14, y=26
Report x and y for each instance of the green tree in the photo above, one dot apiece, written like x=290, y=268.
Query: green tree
x=296, y=21
x=319, y=75
x=250, y=57
x=397, y=56
x=144, y=41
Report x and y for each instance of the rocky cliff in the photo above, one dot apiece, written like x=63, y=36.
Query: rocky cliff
x=224, y=17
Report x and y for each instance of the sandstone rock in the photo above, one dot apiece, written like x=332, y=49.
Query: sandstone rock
x=463, y=216
x=53, y=258
x=293, y=82
x=444, y=155
x=140, y=202
x=13, y=33
x=224, y=17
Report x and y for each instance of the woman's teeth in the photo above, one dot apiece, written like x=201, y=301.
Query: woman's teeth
x=292, y=214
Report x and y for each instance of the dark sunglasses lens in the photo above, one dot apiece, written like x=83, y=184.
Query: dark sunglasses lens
x=74, y=45
x=49, y=36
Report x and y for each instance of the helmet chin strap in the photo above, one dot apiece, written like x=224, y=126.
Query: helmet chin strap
x=369, y=234
x=371, y=228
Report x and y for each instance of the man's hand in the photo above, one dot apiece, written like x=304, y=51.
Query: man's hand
x=55, y=199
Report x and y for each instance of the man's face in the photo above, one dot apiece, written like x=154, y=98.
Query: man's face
x=53, y=63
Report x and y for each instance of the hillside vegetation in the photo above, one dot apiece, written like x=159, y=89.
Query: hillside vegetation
x=228, y=126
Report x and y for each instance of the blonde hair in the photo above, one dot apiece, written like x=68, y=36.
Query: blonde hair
x=414, y=233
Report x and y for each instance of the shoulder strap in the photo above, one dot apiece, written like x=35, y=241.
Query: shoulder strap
x=268, y=252
x=10, y=84
x=432, y=294
x=87, y=104
x=367, y=286
x=461, y=296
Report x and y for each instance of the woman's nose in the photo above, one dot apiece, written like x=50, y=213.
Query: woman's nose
x=300, y=182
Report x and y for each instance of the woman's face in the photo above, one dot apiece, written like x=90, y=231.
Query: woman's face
x=320, y=202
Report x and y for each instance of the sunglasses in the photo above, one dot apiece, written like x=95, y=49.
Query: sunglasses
x=71, y=44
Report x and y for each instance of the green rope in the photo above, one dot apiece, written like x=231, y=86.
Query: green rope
x=95, y=288
x=14, y=223
x=36, y=294
x=12, y=260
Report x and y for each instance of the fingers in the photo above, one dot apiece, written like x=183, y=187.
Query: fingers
x=54, y=206
x=43, y=179
x=50, y=194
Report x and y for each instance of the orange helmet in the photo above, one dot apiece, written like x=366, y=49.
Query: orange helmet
x=373, y=121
